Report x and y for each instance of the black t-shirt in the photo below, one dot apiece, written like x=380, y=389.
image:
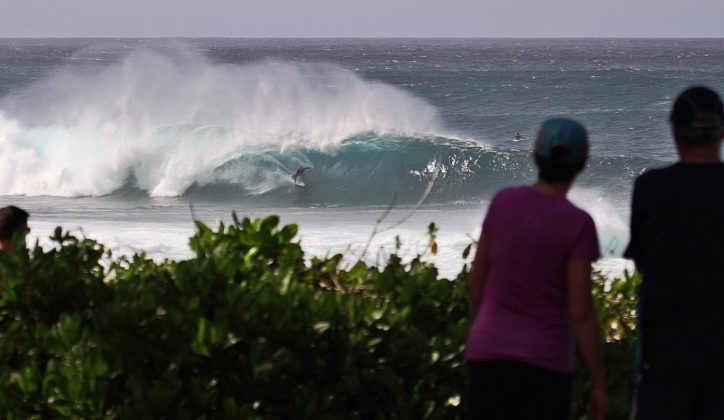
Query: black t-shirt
x=677, y=242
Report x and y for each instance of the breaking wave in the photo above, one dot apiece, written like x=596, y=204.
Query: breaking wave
x=171, y=122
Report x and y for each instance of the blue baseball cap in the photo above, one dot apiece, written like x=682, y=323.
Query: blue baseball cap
x=562, y=140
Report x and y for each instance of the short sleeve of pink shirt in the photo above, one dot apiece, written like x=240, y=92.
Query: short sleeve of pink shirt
x=585, y=246
x=524, y=313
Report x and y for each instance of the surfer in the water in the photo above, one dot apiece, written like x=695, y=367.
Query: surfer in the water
x=517, y=136
x=297, y=176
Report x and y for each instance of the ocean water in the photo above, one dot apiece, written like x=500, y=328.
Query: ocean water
x=127, y=140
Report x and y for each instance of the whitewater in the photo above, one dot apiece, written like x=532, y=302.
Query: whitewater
x=128, y=141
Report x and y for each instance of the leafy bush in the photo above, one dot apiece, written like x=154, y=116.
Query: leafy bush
x=615, y=300
x=245, y=329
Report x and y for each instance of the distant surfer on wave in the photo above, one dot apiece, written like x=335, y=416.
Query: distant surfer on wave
x=297, y=176
x=517, y=136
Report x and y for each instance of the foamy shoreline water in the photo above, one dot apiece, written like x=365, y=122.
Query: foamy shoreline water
x=163, y=231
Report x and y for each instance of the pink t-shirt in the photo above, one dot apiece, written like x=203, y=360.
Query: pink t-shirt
x=524, y=314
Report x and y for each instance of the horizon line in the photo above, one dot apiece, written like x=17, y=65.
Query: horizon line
x=374, y=37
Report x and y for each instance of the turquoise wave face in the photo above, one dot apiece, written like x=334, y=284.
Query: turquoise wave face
x=373, y=170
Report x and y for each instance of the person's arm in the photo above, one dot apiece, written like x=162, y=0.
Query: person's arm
x=585, y=330
x=478, y=274
x=633, y=250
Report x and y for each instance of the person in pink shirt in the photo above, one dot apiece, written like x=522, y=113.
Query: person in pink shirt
x=530, y=291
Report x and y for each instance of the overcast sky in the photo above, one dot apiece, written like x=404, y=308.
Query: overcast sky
x=362, y=18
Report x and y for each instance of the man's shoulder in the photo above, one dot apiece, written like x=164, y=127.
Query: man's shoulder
x=656, y=176
x=680, y=173
x=654, y=173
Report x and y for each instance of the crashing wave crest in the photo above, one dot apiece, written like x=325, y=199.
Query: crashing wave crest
x=172, y=122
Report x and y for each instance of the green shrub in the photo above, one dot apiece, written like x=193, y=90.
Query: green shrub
x=615, y=300
x=246, y=329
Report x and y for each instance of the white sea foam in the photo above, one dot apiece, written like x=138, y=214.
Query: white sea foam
x=169, y=120
x=611, y=224
x=164, y=232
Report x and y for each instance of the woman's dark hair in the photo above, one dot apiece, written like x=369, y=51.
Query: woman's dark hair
x=12, y=219
x=556, y=172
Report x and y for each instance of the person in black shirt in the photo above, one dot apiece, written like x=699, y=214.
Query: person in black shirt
x=677, y=243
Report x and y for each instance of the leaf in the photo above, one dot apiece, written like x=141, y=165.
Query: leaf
x=230, y=410
x=99, y=367
x=204, y=329
x=288, y=232
x=68, y=328
x=466, y=251
x=320, y=327
x=28, y=379
x=269, y=223
x=263, y=371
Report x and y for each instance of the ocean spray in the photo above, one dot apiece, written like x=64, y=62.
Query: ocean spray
x=168, y=121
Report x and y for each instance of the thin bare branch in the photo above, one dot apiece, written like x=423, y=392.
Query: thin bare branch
x=422, y=199
x=420, y=202
x=377, y=224
x=193, y=214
